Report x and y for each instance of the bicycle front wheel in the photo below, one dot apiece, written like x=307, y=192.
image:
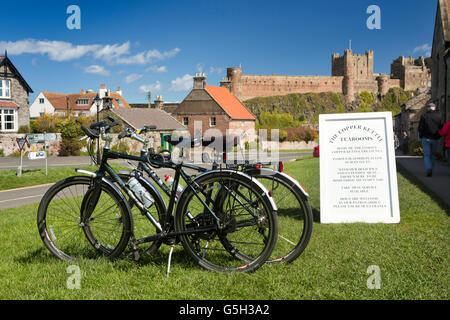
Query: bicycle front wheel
x=246, y=227
x=66, y=230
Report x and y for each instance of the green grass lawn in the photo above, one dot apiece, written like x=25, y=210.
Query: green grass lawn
x=32, y=177
x=413, y=257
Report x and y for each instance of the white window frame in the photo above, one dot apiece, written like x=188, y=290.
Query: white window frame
x=3, y=83
x=41, y=100
x=3, y=122
x=83, y=102
x=211, y=121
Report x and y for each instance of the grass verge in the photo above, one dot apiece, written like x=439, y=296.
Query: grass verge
x=413, y=257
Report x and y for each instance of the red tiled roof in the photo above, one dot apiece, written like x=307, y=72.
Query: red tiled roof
x=229, y=103
x=8, y=104
x=63, y=101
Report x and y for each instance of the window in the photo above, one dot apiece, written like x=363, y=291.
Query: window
x=185, y=121
x=212, y=121
x=41, y=100
x=83, y=102
x=8, y=119
x=5, y=88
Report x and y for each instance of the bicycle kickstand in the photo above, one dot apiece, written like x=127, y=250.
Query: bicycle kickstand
x=134, y=249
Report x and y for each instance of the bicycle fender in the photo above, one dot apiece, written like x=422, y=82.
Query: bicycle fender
x=270, y=171
x=259, y=184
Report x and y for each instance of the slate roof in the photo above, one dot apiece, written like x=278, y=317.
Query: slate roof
x=139, y=117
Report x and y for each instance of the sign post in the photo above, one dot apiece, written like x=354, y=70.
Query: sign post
x=21, y=142
x=358, y=175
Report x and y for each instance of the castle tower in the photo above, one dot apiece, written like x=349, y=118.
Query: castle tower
x=383, y=84
x=234, y=75
x=348, y=87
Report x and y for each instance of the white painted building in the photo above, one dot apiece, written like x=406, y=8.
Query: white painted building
x=78, y=104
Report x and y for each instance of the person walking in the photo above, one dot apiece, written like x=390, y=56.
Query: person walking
x=445, y=132
x=429, y=125
x=404, y=144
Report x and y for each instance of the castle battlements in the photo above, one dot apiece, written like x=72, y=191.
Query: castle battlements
x=350, y=75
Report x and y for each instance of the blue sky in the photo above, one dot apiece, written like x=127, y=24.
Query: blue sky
x=159, y=45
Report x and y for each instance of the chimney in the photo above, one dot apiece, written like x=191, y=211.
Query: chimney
x=226, y=83
x=82, y=91
x=200, y=80
x=119, y=91
x=159, y=103
x=102, y=91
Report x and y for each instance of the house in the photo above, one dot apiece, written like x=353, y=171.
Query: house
x=408, y=119
x=14, y=97
x=164, y=122
x=211, y=111
x=78, y=104
x=440, y=55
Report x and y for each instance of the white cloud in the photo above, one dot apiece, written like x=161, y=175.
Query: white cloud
x=156, y=69
x=145, y=88
x=65, y=51
x=96, y=69
x=423, y=48
x=147, y=57
x=133, y=77
x=182, y=83
x=200, y=67
x=217, y=70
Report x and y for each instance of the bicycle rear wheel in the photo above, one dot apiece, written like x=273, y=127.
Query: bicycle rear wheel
x=247, y=222
x=295, y=219
x=70, y=234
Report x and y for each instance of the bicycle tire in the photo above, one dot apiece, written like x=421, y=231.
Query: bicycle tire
x=261, y=231
x=65, y=229
x=295, y=218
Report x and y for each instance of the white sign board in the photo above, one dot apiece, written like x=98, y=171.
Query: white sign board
x=358, y=175
x=37, y=155
x=41, y=137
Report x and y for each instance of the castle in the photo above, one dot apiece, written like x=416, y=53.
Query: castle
x=350, y=75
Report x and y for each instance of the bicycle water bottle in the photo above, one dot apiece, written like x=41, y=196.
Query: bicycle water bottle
x=140, y=192
x=169, y=180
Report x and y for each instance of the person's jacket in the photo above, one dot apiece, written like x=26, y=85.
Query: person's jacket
x=429, y=125
x=445, y=131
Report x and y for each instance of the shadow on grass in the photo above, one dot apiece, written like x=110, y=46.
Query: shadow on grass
x=36, y=256
x=316, y=215
x=415, y=181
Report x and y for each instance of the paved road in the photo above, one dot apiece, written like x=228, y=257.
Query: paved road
x=28, y=195
x=13, y=163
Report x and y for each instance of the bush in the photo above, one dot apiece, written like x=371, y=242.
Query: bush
x=301, y=134
x=415, y=147
x=71, y=131
x=47, y=123
x=24, y=129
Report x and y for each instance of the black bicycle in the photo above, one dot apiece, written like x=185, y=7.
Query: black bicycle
x=295, y=220
x=219, y=212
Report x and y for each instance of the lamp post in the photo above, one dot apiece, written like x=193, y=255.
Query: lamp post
x=97, y=101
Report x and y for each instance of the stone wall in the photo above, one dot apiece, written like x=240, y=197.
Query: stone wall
x=251, y=86
x=9, y=144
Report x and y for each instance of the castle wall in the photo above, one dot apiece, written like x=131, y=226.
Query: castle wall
x=351, y=74
x=261, y=86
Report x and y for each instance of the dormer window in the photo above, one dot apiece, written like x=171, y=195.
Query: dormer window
x=5, y=88
x=82, y=102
